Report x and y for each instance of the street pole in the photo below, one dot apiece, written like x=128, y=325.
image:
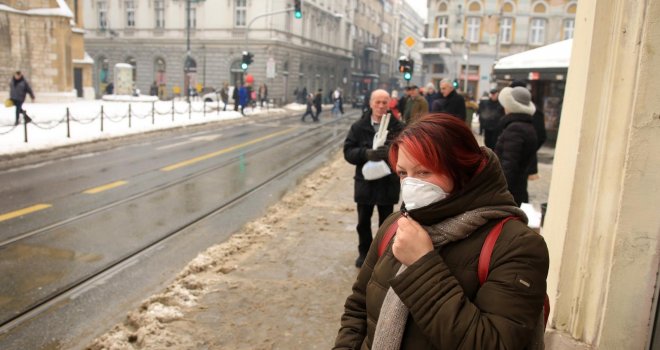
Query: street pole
x=186, y=68
x=467, y=66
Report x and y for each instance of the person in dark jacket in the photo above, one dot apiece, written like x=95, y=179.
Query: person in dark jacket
x=453, y=103
x=423, y=291
x=538, y=119
x=431, y=95
x=318, y=101
x=490, y=112
x=382, y=193
x=517, y=143
x=309, y=110
x=18, y=89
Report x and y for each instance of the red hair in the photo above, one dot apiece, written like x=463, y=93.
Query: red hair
x=443, y=144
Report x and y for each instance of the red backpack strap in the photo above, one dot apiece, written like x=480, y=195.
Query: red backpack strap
x=487, y=249
x=387, y=237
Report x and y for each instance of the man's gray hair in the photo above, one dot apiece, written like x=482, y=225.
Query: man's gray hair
x=447, y=81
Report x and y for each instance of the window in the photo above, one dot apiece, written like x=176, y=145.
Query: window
x=438, y=68
x=159, y=7
x=473, y=24
x=130, y=14
x=506, y=27
x=193, y=18
x=537, y=31
x=443, y=24
x=569, y=28
x=240, y=14
x=103, y=14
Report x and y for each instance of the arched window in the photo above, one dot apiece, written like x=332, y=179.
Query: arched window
x=442, y=7
x=474, y=6
x=159, y=71
x=568, y=27
x=539, y=8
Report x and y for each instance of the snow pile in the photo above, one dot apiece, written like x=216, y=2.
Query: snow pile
x=147, y=327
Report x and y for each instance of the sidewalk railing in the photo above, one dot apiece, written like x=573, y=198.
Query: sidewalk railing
x=102, y=116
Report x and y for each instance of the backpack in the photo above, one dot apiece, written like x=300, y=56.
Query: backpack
x=484, y=256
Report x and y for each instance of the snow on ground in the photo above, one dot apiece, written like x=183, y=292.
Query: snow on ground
x=49, y=120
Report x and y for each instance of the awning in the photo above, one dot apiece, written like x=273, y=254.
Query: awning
x=554, y=57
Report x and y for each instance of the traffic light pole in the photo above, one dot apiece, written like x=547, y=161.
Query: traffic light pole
x=247, y=28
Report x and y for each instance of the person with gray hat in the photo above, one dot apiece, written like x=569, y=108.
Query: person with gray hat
x=18, y=89
x=516, y=145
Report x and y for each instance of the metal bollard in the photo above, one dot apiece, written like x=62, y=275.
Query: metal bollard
x=204, y=109
x=153, y=109
x=68, y=124
x=101, y=118
x=172, y=108
x=189, y=110
x=129, y=115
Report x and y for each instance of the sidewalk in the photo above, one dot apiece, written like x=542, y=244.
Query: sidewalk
x=280, y=283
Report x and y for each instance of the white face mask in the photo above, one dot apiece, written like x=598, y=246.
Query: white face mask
x=417, y=193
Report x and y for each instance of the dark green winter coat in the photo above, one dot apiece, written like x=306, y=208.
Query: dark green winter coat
x=448, y=308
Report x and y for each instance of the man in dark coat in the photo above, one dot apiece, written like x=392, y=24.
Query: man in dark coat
x=516, y=145
x=18, y=89
x=382, y=193
x=318, y=101
x=490, y=112
x=453, y=103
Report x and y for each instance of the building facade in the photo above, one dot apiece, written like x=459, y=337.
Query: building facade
x=44, y=40
x=411, y=24
x=157, y=38
x=466, y=37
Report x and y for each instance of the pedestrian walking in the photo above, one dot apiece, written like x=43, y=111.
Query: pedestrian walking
x=18, y=89
x=309, y=110
x=243, y=97
x=416, y=106
x=381, y=193
x=263, y=95
x=224, y=95
x=517, y=144
x=318, y=101
x=234, y=96
x=490, y=113
x=453, y=103
x=421, y=289
x=153, y=89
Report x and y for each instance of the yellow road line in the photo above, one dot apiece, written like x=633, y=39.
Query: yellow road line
x=105, y=187
x=222, y=151
x=24, y=211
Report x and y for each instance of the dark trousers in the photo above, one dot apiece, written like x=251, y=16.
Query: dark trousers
x=490, y=138
x=308, y=112
x=19, y=109
x=364, y=223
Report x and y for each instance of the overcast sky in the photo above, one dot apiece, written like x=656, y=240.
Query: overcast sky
x=419, y=6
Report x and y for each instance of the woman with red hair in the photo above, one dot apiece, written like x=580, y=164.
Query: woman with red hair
x=422, y=291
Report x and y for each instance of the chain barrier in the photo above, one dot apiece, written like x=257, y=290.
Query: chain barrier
x=117, y=118
x=49, y=125
x=12, y=127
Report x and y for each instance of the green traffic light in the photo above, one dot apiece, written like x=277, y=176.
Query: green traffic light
x=244, y=66
x=298, y=14
x=407, y=76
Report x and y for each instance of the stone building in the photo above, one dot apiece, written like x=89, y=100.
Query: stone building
x=44, y=39
x=411, y=24
x=464, y=33
x=153, y=36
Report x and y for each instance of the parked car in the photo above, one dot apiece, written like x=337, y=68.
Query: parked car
x=358, y=101
x=214, y=96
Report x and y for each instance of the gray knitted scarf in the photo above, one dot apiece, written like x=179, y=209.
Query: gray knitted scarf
x=393, y=313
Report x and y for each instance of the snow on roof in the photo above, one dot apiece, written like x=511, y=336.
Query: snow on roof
x=62, y=10
x=556, y=55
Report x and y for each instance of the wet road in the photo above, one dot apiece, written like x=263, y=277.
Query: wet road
x=62, y=222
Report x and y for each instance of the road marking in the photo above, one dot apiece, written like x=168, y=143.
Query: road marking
x=223, y=151
x=105, y=187
x=24, y=211
x=207, y=138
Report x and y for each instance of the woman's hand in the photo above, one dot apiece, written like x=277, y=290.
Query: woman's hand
x=411, y=241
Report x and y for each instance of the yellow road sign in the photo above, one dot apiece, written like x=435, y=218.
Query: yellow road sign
x=410, y=41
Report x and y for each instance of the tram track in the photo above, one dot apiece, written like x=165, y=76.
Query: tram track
x=9, y=322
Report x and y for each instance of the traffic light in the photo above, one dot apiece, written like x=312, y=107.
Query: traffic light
x=297, y=8
x=406, y=66
x=455, y=83
x=247, y=59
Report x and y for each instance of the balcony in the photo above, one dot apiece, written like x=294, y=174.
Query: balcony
x=436, y=46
